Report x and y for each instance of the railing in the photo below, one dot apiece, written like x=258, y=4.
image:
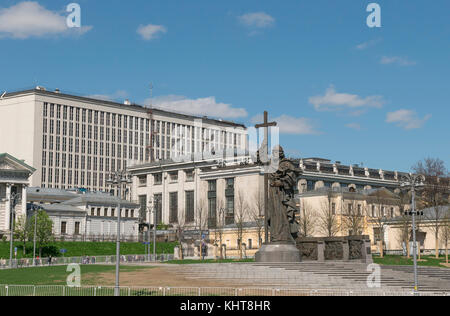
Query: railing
x=62, y=290
x=26, y=263
x=161, y=236
x=96, y=238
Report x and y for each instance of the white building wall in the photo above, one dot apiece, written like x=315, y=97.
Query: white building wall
x=27, y=137
x=70, y=223
x=248, y=182
x=18, y=130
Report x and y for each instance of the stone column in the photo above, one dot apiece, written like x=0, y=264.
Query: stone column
x=176, y=253
x=212, y=251
x=366, y=251
x=8, y=206
x=24, y=200
x=320, y=251
x=196, y=251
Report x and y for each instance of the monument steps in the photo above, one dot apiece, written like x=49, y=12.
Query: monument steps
x=312, y=275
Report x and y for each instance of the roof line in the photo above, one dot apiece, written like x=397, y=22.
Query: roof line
x=21, y=162
x=121, y=105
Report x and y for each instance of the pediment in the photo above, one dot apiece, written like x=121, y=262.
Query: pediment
x=6, y=166
x=10, y=163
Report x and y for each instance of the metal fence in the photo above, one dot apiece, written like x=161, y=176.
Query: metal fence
x=62, y=290
x=25, y=263
x=161, y=236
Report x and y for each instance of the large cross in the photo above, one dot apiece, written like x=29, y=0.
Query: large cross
x=265, y=147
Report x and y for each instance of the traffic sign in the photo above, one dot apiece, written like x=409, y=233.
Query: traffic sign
x=63, y=250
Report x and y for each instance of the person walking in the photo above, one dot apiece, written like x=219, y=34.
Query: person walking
x=204, y=250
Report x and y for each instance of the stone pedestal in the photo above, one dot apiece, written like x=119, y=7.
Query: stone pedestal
x=345, y=250
x=366, y=252
x=278, y=252
x=320, y=251
x=176, y=253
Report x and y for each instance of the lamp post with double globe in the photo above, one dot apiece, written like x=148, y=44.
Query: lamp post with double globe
x=118, y=179
x=413, y=182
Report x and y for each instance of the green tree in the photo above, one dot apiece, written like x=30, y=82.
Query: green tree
x=22, y=231
x=44, y=234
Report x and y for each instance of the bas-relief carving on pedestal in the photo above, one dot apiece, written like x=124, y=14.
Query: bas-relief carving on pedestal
x=335, y=248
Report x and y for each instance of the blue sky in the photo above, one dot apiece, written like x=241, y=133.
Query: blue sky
x=339, y=89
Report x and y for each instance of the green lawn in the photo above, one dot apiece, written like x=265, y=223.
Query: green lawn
x=429, y=261
x=78, y=249
x=56, y=275
x=191, y=261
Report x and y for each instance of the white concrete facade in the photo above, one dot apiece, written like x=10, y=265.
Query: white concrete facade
x=247, y=193
x=77, y=142
x=91, y=215
x=14, y=178
x=246, y=183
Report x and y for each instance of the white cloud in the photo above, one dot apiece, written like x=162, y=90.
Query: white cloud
x=368, y=44
x=401, y=61
x=354, y=126
x=290, y=124
x=151, y=31
x=119, y=94
x=30, y=19
x=201, y=106
x=257, y=20
x=407, y=119
x=338, y=101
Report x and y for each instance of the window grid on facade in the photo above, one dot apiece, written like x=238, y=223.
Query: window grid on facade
x=173, y=207
x=71, y=130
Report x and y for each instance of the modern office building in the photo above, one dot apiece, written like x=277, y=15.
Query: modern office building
x=76, y=142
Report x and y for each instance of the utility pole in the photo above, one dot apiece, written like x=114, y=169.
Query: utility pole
x=150, y=211
x=265, y=161
x=414, y=181
x=117, y=180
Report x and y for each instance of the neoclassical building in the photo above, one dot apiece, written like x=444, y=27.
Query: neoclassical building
x=80, y=215
x=351, y=212
x=426, y=222
x=223, y=196
x=14, y=178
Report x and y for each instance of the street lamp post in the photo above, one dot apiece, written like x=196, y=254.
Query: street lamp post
x=117, y=179
x=155, y=209
x=413, y=181
x=35, y=232
x=12, y=205
x=150, y=212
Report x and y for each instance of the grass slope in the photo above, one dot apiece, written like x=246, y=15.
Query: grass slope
x=428, y=261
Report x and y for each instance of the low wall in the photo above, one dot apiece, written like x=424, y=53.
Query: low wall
x=191, y=250
x=335, y=248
